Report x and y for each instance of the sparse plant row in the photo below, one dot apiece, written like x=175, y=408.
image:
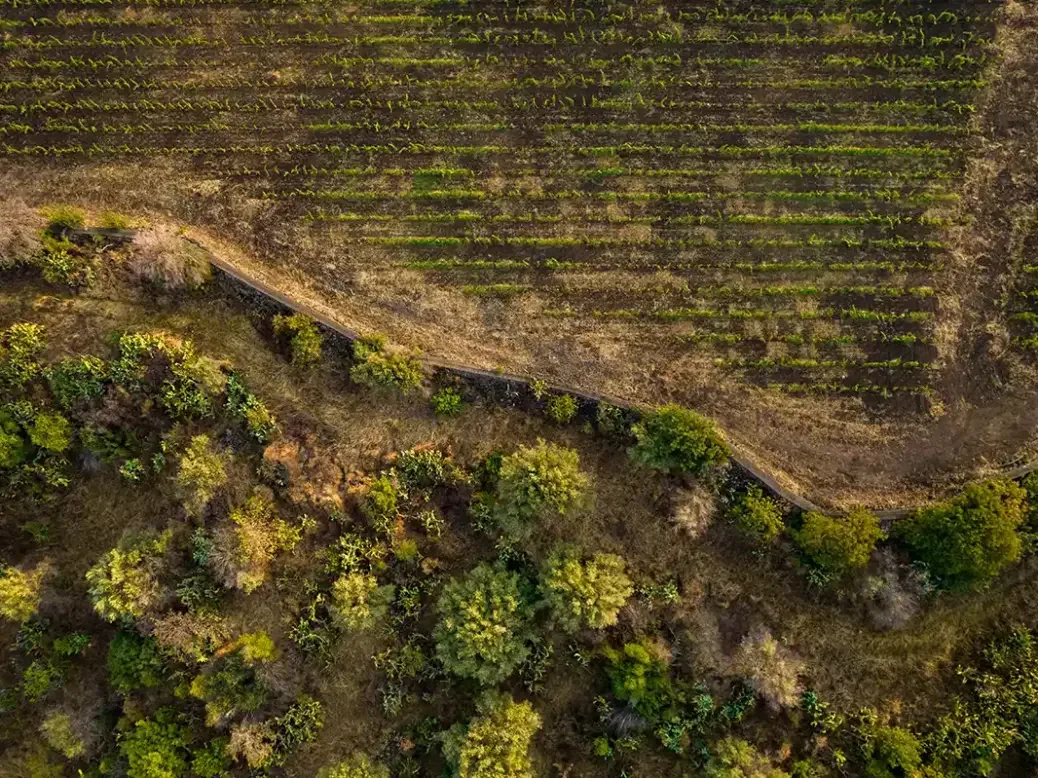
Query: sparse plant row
x=662, y=293
x=796, y=339
x=854, y=314
x=765, y=266
x=441, y=241
x=852, y=389
x=807, y=363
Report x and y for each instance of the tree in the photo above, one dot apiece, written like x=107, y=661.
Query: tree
x=243, y=551
x=639, y=676
x=838, y=544
x=495, y=744
x=484, y=625
x=892, y=752
x=157, y=747
x=304, y=339
x=20, y=591
x=202, y=471
x=134, y=662
x=757, y=516
x=678, y=440
x=535, y=482
x=735, y=758
x=771, y=669
x=969, y=539
x=358, y=602
x=357, y=766
x=379, y=368
x=585, y=593
x=51, y=432
x=124, y=583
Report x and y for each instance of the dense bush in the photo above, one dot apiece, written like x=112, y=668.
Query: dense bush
x=244, y=551
x=535, y=482
x=77, y=380
x=20, y=347
x=61, y=262
x=14, y=449
x=562, y=408
x=304, y=339
x=838, y=544
x=357, y=766
x=771, y=669
x=256, y=647
x=51, y=432
x=211, y=761
x=495, y=744
x=359, y=603
x=60, y=733
x=585, y=593
x=202, y=471
x=134, y=662
x=757, y=516
x=639, y=676
x=244, y=405
x=891, y=752
x=379, y=368
x=229, y=688
x=156, y=747
x=678, y=440
x=124, y=583
x=20, y=592
x=735, y=758
x=972, y=537
x=446, y=402
x=484, y=625
x=380, y=502
x=424, y=467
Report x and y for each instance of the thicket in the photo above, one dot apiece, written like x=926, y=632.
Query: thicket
x=379, y=367
x=585, y=593
x=303, y=339
x=496, y=743
x=536, y=482
x=678, y=440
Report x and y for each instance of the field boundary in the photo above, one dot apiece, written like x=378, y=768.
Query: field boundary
x=504, y=384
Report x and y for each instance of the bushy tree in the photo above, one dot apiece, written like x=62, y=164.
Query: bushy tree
x=496, y=743
x=379, y=368
x=51, y=432
x=677, y=440
x=357, y=766
x=585, y=593
x=228, y=688
x=202, y=471
x=124, y=584
x=156, y=747
x=838, y=544
x=735, y=758
x=245, y=550
x=757, y=516
x=20, y=592
x=771, y=669
x=304, y=339
x=134, y=662
x=20, y=347
x=60, y=733
x=358, y=602
x=485, y=622
x=212, y=760
x=969, y=539
x=640, y=677
x=537, y=481
x=892, y=752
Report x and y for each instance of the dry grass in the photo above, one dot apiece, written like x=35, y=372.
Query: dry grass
x=163, y=259
x=19, y=231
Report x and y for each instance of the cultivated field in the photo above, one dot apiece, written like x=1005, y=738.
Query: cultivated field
x=754, y=208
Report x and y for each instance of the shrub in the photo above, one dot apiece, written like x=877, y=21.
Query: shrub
x=20, y=592
x=58, y=730
x=892, y=752
x=243, y=553
x=134, y=662
x=165, y=260
x=257, y=647
x=484, y=624
x=253, y=742
x=771, y=670
x=734, y=758
x=639, y=677
x=378, y=368
x=77, y=380
x=230, y=689
x=124, y=585
x=40, y=678
x=304, y=339
x=202, y=471
x=13, y=448
x=969, y=539
x=380, y=503
x=496, y=743
x=358, y=602
x=757, y=516
x=838, y=544
x=20, y=347
x=585, y=593
x=191, y=637
x=62, y=263
x=60, y=217
x=562, y=408
x=357, y=766
x=156, y=747
x=212, y=761
x=447, y=402
x=535, y=482
x=260, y=423
x=676, y=439
x=298, y=726
x=51, y=432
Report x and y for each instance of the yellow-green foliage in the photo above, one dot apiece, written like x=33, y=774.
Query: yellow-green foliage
x=381, y=369
x=51, y=432
x=676, y=439
x=258, y=536
x=64, y=217
x=358, y=602
x=202, y=471
x=257, y=647
x=484, y=625
x=228, y=688
x=757, y=516
x=304, y=339
x=60, y=735
x=13, y=449
x=892, y=752
x=734, y=758
x=562, y=408
x=124, y=583
x=357, y=766
x=20, y=346
x=20, y=592
x=537, y=481
x=156, y=747
x=495, y=744
x=585, y=593
x=838, y=544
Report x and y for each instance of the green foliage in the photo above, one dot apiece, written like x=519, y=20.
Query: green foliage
x=485, y=623
x=20, y=592
x=495, y=744
x=585, y=593
x=640, y=678
x=757, y=516
x=156, y=747
x=61, y=217
x=562, y=408
x=424, y=468
x=51, y=432
x=839, y=544
x=202, y=471
x=62, y=263
x=299, y=725
x=892, y=752
x=211, y=761
x=257, y=647
x=58, y=731
x=132, y=470
x=260, y=423
x=20, y=347
x=123, y=584
x=40, y=678
x=304, y=339
x=676, y=439
x=734, y=758
x=611, y=420
x=76, y=380
x=357, y=766
x=259, y=534
x=535, y=482
x=134, y=662
x=376, y=367
x=380, y=503
x=13, y=448
x=969, y=539
x=229, y=688
x=447, y=402
x=359, y=603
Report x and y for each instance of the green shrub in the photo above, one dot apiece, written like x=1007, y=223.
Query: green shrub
x=892, y=752
x=676, y=439
x=378, y=368
x=20, y=592
x=62, y=263
x=484, y=625
x=61, y=217
x=60, y=734
x=423, y=468
x=611, y=420
x=359, y=603
x=229, y=689
x=357, y=766
x=496, y=743
x=257, y=647
x=124, y=585
x=299, y=725
x=20, y=347
x=380, y=503
x=51, y=432
x=735, y=758
x=839, y=544
x=757, y=516
x=156, y=747
x=585, y=593
x=260, y=423
x=562, y=408
x=40, y=678
x=76, y=380
x=132, y=470
x=134, y=662
x=110, y=220
x=13, y=448
x=535, y=482
x=969, y=539
x=304, y=339
x=202, y=471
x=447, y=402
x=640, y=678
x=211, y=761
x=243, y=555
